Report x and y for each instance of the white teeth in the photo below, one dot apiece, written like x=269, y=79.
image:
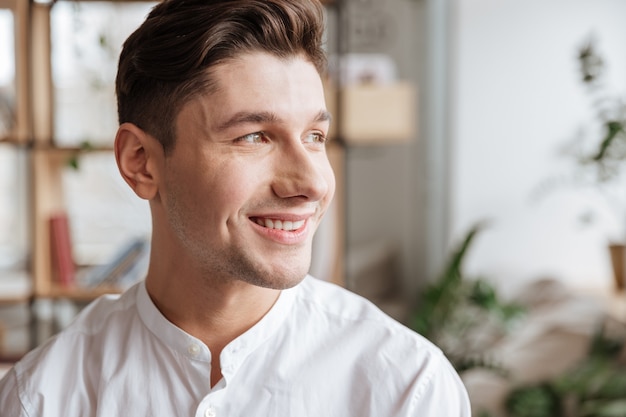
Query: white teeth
x=279, y=224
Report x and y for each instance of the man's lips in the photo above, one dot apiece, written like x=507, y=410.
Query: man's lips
x=283, y=230
x=286, y=225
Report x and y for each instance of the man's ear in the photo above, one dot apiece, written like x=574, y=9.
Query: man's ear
x=138, y=157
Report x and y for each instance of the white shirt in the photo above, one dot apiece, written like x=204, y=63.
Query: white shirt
x=320, y=351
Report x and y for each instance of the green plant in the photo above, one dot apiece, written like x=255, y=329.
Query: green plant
x=610, y=150
x=595, y=387
x=540, y=400
x=598, y=151
x=73, y=161
x=463, y=315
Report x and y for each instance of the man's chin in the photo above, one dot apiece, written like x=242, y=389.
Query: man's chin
x=280, y=278
x=281, y=282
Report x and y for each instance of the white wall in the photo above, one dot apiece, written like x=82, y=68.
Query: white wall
x=516, y=99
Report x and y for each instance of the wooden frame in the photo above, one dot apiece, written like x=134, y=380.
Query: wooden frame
x=20, y=133
x=41, y=75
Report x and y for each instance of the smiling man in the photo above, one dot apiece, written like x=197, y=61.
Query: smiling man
x=223, y=129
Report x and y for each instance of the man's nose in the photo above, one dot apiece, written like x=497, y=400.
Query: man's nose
x=300, y=172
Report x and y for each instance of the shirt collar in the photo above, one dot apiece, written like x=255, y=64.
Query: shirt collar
x=234, y=354
x=168, y=333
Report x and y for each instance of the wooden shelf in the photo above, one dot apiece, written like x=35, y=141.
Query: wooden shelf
x=65, y=150
x=16, y=299
x=76, y=293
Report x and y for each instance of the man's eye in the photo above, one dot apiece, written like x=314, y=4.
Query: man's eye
x=256, y=137
x=315, y=137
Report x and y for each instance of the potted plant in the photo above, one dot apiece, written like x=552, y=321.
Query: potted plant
x=599, y=152
x=608, y=156
x=464, y=315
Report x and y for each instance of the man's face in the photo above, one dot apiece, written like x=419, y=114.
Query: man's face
x=248, y=180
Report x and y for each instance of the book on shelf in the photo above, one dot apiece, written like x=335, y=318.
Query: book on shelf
x=63, y=267
x=127, y=266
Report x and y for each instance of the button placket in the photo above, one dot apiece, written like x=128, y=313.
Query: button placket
x=210, y=412
x=194, y=349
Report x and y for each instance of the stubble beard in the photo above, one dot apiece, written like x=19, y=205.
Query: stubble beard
x=237, y=265
x=232, y=263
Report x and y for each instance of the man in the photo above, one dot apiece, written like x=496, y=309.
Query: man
x=223, y=127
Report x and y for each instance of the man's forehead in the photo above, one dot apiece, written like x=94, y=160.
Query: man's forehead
x=264, y=88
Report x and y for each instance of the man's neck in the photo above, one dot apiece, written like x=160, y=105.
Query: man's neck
x=215, y=313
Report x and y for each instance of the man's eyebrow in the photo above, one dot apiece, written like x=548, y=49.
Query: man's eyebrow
x=244, y=117
x=323, y=116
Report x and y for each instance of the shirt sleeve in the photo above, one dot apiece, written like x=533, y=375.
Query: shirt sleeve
x=9, y=396
x=444, y=394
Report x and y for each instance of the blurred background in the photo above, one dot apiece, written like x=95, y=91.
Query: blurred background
x=450, y=115
x=505, y=124
x=520, y=118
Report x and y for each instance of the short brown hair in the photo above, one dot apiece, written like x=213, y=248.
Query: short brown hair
x=166, y=62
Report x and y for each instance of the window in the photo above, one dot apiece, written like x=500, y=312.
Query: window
x=13, y=233
x=86, y=39
x=7, y=72
x=104, y=212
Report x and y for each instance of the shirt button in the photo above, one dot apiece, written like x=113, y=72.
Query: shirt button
x=193, y=349
x=210, y=412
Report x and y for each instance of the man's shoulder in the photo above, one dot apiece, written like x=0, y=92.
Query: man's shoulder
x=336, y=300
x=346, y=310
x=363, y=337
x=105, y=313
x=69, y=362
x=91, y=329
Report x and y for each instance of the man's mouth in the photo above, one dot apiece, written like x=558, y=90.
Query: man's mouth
x=286, y=225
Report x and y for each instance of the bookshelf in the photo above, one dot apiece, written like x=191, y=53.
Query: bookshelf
x=32, y=128
x=15, y=282
x=51, y=146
